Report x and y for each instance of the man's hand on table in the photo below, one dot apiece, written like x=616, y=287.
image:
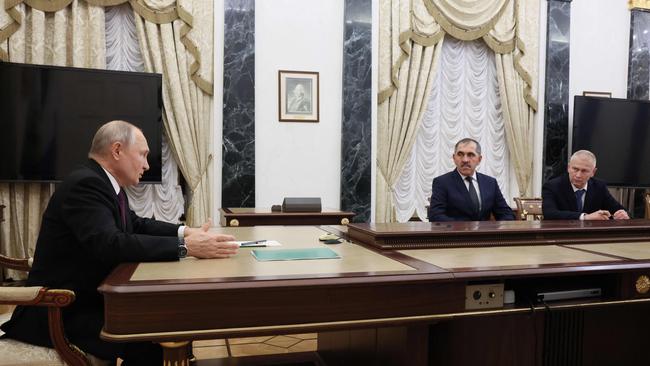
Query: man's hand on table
x=605, y=215
x=598, y=215
x=621, y=215
x=201, y=243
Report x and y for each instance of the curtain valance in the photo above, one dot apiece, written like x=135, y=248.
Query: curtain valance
x=195, y=31
x=425, y=22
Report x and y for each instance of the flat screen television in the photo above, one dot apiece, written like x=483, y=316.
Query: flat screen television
x=49, y=115
x=618, y=132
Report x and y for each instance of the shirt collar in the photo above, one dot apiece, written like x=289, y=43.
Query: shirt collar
x=576, y=188
x=464, y=176
x=116, y=186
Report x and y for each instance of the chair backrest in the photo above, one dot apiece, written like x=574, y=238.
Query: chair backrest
x=529, y=208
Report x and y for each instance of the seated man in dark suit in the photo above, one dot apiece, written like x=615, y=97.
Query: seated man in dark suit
x=88, y=229
x=455, y=195
x=577, y=195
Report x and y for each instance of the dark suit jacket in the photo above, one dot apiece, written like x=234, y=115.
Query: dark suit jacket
x=81, y=240
x=450, y=199
x=559, y=200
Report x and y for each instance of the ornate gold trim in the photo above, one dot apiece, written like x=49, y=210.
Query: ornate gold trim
x=233, y=222
x=642, y=284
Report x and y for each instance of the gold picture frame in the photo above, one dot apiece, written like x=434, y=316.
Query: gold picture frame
x=298, y=96
x=597, y=94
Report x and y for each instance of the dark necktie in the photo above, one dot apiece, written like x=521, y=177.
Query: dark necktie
x=121, y=199
x=473, y=196
x=579, y=194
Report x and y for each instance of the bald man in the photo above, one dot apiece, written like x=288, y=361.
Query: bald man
x=577, y=195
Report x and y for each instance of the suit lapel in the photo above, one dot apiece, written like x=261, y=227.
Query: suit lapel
x=94, y=166
x=569, y=195
x=589, y=197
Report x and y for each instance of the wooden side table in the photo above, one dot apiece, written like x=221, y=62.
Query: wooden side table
x=243, y=216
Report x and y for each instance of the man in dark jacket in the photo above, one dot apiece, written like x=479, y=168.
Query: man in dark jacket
x=88, y=229
x=578, y=195
x=465, y=195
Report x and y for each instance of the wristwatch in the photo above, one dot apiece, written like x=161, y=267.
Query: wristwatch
x=182, y=249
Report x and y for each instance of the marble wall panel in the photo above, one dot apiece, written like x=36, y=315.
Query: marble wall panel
x=356, y=126
x=556, y=113
x=238, y=165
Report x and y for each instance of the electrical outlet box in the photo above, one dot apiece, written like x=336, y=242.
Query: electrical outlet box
x=484, y=296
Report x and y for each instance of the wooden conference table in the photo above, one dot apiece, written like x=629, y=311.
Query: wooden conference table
x=404, y=296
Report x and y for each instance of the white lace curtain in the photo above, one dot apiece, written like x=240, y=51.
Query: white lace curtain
x=162, y=201
x=463, y=102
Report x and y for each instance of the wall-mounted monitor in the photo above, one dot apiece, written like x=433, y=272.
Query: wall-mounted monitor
x=618, y=132
x=49, y=115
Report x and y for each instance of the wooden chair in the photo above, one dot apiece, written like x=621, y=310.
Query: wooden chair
x=529, y=208
x=13, y=352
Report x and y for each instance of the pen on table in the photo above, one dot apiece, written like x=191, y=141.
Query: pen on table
x=256, y=243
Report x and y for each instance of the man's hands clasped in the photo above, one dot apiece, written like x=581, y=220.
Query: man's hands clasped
x=605, y=215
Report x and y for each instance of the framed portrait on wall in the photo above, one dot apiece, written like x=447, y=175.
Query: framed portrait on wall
x=298, y=94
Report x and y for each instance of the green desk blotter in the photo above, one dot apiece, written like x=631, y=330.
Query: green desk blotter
x=264, y=255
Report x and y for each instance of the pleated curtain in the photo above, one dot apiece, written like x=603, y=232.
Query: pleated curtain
x=508, y=27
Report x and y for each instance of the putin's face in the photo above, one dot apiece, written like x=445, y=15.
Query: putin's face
x=132, y=161
x=580, y=169
x=466, y=158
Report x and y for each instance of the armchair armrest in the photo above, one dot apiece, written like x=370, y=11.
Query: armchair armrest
x=54, y=300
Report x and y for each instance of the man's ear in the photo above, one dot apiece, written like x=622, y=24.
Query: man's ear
x=116, y=150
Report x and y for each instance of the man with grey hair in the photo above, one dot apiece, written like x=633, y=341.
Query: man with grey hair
x=465, y=195
x=578, y=195
x=88, y=229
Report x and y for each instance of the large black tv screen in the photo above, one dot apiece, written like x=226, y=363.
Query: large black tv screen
x=618, y=132
x=49, y=115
